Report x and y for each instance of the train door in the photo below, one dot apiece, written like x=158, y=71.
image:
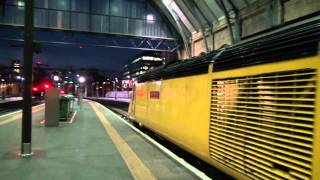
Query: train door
x=141, y=101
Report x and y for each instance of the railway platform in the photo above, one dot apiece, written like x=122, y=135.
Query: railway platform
x=98, y=144
x=124, y=100
x=11, y=99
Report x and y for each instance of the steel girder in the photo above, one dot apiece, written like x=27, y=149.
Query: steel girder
x=176, y=22
x=192, y=14
x=75, y=38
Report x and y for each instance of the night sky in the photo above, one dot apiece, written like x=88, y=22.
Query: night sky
x=72, y=55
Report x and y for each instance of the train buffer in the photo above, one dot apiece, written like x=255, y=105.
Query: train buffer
x=98, y=144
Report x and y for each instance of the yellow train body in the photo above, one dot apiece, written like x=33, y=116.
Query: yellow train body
x=256, y=122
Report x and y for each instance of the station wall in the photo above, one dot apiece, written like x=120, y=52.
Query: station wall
x=255, y=18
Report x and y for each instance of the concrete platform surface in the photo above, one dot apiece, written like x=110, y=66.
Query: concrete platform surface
x=97, y=145
x=127, y=100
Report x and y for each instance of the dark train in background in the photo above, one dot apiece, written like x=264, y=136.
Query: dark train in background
x=252, y=110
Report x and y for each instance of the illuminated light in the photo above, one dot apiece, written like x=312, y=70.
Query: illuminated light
x=81, y=79
x=62, y=92
x=81, y=46
x=56, y=78
x=35, y=89
x=70, y=82
x=65, y=82
x=150, y=18
x=46, y=86
x=18, y=77
x=20, y=3
x=2, y=80
x=151, y=58
x=78, y=75
x=158, y=82
x=139, y=93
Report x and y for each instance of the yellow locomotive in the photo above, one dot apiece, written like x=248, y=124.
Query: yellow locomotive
x=252, y=110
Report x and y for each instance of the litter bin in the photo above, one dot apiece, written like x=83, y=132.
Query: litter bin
x=71, y=99
x=66, y=106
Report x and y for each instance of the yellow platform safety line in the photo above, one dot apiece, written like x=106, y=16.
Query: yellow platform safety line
x=17, y=115
x=137, y=168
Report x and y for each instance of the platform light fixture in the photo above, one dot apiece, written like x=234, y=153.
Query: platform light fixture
x=81, y=79
x=56, y=78
x=20, y=3
x=150, y=18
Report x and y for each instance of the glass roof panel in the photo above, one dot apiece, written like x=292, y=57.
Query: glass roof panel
x=175, y=10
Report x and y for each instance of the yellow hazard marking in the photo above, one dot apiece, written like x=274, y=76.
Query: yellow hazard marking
x=18, y=115
x=137, y=168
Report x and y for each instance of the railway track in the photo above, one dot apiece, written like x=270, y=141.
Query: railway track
x=15, y=106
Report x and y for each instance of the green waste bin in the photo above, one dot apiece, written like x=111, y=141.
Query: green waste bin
x=66, y=106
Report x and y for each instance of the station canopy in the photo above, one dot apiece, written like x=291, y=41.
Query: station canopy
x=160, y=22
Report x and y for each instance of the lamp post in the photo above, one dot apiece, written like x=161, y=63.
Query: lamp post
x=96, y=87
x=115, y=87
x=81, y=81
x=92, y=89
